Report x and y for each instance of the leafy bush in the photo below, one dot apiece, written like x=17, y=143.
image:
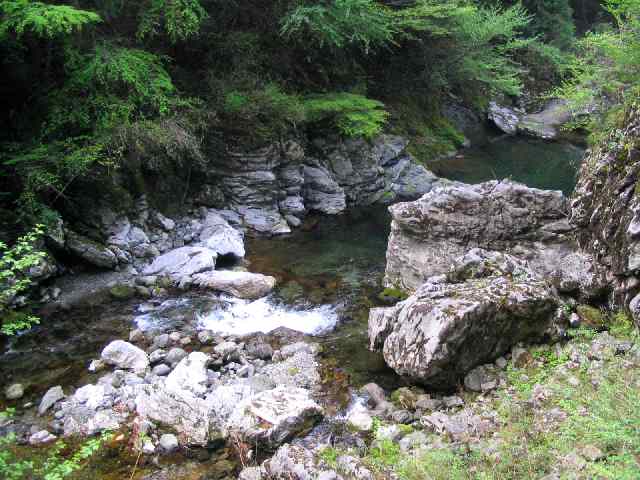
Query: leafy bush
x=52, y=465
x=263, y=113
x=42, y=20
x=606, y=70
x=337, y=24
x=354, y=115
x=15, y=263
x=180, y=19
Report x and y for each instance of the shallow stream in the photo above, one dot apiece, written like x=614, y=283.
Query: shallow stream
x=329, y=274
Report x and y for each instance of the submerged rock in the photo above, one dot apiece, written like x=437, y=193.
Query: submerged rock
x=239, y=284
x=487, y=303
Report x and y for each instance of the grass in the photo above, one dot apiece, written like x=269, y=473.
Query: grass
x=598, y=412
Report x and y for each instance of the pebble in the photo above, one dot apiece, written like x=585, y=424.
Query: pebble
x=136, y=336
x=161, y=370
x=175, y=355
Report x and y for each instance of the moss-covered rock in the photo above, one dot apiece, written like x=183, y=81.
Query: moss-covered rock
x=591, y=316
x=122, y=291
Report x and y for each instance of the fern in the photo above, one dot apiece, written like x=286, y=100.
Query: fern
x=353, y=115
x=42, y=20
x=181, y=19
x=342, y=23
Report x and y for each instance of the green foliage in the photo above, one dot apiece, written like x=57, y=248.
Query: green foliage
x=263, y=113
x=180, y=19
x=15, y=263
x=330, y=455
x=487, y=39
x=50, y=466
x=118, y=85
x=621, y=325
x=337, y=24
x=353, y=115
x=553, y=19
x=42, y=20
x=606, y=70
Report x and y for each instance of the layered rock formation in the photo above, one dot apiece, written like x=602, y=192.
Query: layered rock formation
x=429, y=233
x=272, y=189
x=606, y=207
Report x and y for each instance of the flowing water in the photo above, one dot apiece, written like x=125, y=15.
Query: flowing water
x=329, y=274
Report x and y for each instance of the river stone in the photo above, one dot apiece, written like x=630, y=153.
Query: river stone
x=14, y=392
x=505, y=118
x=183, y=262
x=90, y=251
x=190, y=374
x=175, y=355
x=239, y=284
x=161, y=370
x=486, y=304
x=187, y=415
x=41, y=437
x=125, y=355
x=53, y=395
x=271, y=417
x=220, y=237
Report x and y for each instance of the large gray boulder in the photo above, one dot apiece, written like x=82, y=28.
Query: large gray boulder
x=90, y=251
x=239, y=284
x=429, y=233
x=322, y=192
x=484, y=305
x=545, y=124
x=126, y=356
x=274, y=416
x=220, y=237
x=505, y=118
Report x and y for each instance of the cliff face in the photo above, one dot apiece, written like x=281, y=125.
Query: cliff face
x=606, y=207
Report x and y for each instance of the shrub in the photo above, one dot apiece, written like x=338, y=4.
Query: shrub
x=42, y=20
x=15, y=263
x=353, y=115
x=337, y=24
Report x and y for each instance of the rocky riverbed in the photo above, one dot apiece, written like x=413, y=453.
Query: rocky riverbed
x=211, y=353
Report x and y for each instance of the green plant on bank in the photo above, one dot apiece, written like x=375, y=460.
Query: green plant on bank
x=605, y=73
x=55, y=463
x=352, y=114
x=180, y=19
x=26, y=17
x=601, y=414
x=15, y=263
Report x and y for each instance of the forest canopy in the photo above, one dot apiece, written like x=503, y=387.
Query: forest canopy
x=83, y=77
